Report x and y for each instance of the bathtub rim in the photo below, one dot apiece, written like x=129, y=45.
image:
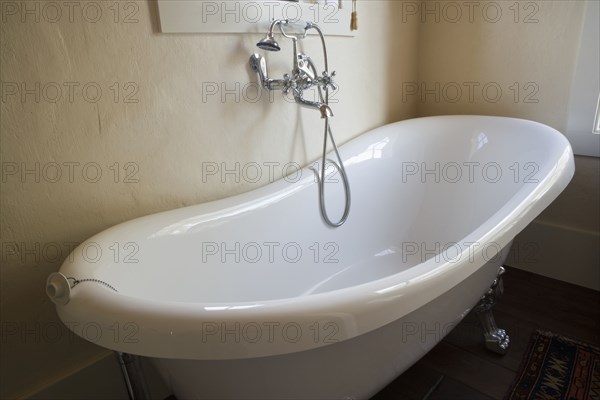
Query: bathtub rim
x=373, y=304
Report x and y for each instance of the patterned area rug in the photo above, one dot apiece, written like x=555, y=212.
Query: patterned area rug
x=556, y=367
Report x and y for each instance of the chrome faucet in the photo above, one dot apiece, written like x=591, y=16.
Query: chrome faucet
x=304, y=76
x=304, y=73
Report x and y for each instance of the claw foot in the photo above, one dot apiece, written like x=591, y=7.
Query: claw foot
x=497, y=342
x=496, y=339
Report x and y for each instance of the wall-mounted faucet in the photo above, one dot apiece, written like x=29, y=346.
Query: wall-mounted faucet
x=304, y=74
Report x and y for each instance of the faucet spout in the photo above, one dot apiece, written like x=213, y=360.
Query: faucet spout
x=322, y=107
x=325, y=111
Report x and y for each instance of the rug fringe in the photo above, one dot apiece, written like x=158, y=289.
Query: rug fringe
x=550, y=334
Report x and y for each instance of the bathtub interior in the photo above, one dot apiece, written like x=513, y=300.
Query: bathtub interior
x=277, y=246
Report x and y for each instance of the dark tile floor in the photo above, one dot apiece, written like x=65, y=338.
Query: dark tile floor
x=460, y=367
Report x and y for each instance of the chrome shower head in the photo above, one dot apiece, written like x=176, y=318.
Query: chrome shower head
x=269, y=43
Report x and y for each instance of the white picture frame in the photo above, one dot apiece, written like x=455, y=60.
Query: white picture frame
x=252, y=16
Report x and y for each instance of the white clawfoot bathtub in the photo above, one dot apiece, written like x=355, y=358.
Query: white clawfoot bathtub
x=253, y=296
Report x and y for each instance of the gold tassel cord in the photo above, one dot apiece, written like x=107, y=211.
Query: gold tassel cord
x=354, y=18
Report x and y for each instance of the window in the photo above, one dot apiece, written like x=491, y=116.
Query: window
x=597, y=121
x=583, y=107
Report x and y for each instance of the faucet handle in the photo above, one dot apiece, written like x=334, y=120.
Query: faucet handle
x=327, y=80
x=289, y=84
x=304, y=64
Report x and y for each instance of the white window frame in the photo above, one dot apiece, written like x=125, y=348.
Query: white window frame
x=597, y=121
x=583, y=119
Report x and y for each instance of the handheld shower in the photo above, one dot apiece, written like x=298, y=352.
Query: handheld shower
x=304, y=76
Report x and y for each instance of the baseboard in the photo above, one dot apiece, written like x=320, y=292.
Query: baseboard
x=100, y=380
x=559, y=252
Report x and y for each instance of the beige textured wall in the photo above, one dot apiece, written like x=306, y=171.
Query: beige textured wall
x=166, y=136
x=519, y=61
x=527, y=54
